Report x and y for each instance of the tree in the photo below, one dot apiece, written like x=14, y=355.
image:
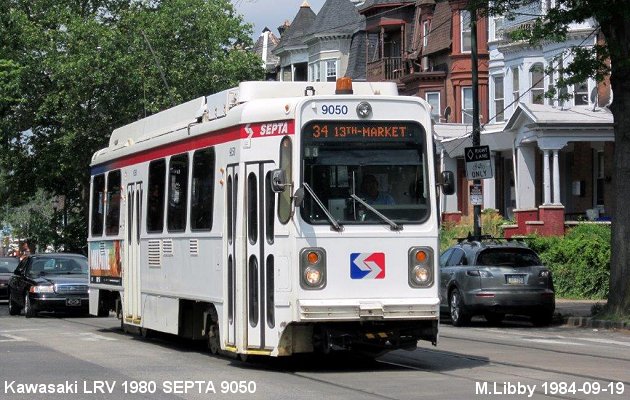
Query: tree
x=71, y=71
x=613, y=17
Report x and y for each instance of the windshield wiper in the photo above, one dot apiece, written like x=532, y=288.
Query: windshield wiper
x=335, y=224
x=392, y=224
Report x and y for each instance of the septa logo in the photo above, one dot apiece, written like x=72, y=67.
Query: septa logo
x=367, y=265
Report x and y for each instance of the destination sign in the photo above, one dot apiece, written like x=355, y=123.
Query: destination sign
x=352, y=131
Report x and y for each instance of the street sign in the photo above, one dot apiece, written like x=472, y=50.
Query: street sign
x=476, y=194
x=478, y=162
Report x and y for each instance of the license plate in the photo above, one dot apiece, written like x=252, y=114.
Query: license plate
x=73, y=302
x=515, y=279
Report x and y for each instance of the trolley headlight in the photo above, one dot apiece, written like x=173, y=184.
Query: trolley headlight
x=420, y=274
x=312, y=268
x=420, y=267
x=312, y=276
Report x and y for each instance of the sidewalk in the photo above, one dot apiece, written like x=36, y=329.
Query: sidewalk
x=577, y=313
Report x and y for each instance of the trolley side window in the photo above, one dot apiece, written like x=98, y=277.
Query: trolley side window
x=98, y=212
x=177, y=193
x=155, y=208
x=202, y=190
x=112, y=218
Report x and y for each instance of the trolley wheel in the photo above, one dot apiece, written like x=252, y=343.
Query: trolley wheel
x=146, y=333
x=214, y=341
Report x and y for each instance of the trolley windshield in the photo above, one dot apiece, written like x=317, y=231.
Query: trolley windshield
x=359, y=170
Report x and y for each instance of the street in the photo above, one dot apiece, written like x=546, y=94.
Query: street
x=83, y=357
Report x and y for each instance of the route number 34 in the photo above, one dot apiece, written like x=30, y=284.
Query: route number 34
x=334, y=109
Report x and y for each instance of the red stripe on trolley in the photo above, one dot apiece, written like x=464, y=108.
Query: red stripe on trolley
x=266, y=129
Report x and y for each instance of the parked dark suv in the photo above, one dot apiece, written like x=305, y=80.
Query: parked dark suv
x=493, y=277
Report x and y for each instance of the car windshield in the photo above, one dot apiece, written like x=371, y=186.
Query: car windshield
x=8, y=264
x=508, y=257
x=59, y=266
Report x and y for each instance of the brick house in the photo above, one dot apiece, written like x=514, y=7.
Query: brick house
x=552, y=157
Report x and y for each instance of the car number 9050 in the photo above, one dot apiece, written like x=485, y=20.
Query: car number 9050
x=334, y=109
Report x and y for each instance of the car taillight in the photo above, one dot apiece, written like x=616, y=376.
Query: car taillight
x=480, y=273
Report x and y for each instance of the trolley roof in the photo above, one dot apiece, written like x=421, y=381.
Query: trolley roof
x=216, y=106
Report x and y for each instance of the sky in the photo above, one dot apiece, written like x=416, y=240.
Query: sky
x=271, y=13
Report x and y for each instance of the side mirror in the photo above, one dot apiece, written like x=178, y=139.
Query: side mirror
x=278, y=180
x=298, y=197
x=448, y=182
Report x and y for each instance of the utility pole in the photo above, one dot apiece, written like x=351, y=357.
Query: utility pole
x=476, y=139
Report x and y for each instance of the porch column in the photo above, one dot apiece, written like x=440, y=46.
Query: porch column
x=556, y=177
x=547, y=178
x=490, y=186
x=292, y=72
x=525, y=173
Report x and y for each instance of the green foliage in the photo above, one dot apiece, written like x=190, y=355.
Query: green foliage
x=491, y=222
x=72, y=71
x=580, y=262
x=35, y=221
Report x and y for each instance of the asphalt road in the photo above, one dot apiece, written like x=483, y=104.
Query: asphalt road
x=91, y=358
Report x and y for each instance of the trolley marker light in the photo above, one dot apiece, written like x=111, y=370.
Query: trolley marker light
x=344, y=86
x=313, y=268
x=420, y=267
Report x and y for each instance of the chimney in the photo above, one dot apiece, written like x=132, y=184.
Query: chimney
x=282, y=28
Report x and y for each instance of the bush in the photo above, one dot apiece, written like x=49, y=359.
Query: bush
x=579, y=262
x=491, y=222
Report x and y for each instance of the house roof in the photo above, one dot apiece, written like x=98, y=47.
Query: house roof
x=268, y=58
x=440, y=33
x=337, y=17
x=550, y=115
x=454, y=138
x=295, y=34
x=578, y=123
x=357, y=63
x=383, y=3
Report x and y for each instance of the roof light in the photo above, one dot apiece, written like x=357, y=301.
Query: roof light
x=344, y=85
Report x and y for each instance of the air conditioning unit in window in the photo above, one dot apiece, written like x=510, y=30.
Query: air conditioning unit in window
x=425, y=63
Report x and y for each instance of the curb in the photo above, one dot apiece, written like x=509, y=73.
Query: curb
x=589, y=322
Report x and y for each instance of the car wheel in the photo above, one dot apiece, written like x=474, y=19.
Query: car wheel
x=28, y=307
x=459, y=315
x=543, y=318
x=14, y=309
x=494, y=318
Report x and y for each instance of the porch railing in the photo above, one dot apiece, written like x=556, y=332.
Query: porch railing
x=385, y=69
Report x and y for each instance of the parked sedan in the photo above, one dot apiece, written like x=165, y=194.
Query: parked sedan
x=494, y=278
x=49, y=282
x=7, y=265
